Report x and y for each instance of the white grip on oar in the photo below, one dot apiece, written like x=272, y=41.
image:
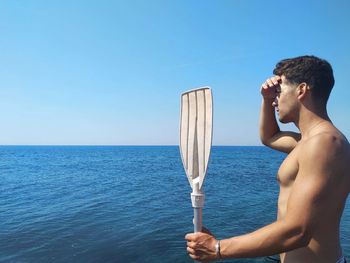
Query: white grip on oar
x=197, y=198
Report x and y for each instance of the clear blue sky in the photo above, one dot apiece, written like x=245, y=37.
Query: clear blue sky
x=111, y=72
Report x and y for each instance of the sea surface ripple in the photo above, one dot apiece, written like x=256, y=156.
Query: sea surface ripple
x=128, y=203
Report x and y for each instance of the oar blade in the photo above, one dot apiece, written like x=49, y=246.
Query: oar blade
x=196, y=132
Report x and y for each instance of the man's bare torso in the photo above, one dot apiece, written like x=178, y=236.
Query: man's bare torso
x=325, y=242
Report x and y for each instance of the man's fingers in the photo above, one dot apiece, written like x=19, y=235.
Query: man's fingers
x=264, y=86
x=277, y=78
x=269, y=87
x=191, y=251
x=274, y=82
x=270, y=83
x=191, y=245
x=200, y=246
x=189, y=237
x=192, y=236
x=194, y=257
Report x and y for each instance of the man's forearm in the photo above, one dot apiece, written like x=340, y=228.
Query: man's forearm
x=273, y=239
x=268, y=124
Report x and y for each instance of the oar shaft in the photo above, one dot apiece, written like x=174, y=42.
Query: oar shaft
x=197, y=220
x=197, y=198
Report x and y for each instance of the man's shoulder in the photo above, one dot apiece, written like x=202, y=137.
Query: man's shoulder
x=326, y=138
x=328, y=145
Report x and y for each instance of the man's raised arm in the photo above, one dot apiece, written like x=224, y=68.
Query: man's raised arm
x=270, y=133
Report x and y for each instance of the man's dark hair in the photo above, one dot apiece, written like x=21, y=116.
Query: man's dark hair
x=315, y=72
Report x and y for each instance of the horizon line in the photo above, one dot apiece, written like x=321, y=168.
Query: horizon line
x=121, y=145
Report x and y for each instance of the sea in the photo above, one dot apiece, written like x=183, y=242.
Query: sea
x=103, y=204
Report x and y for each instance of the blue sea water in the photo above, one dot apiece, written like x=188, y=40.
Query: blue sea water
x=128, y=204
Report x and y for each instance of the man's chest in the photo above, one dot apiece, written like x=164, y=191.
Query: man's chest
x=289, y=169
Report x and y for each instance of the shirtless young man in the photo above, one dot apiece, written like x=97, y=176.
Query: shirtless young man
x=314, y=178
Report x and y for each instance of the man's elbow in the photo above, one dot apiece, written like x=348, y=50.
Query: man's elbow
x=299, y=237
x=303, y=238
x=267, y=138
x=265, y=141
x=263, y=137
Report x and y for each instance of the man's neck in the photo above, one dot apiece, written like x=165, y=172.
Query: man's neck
x=309, y=120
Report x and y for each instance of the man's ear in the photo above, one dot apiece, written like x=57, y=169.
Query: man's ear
x=303, y=89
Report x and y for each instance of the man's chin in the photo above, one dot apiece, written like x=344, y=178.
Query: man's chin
x=283, y=120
